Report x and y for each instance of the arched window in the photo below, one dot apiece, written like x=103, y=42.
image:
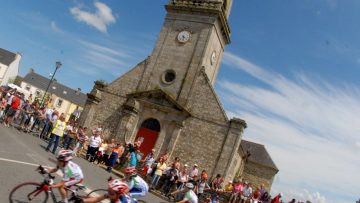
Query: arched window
x=151, y=124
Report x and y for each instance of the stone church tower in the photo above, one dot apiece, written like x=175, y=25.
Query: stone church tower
x=168, y=100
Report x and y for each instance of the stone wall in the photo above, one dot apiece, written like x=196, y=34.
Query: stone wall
x=258, y=174
x=203, y=102
x=200, y=142
x=108, y=111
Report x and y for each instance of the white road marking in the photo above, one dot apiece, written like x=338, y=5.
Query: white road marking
x=59, y=173
x=20, y=162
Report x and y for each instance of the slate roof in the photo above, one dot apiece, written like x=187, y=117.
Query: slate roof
x=42, y=82
x=6, y=57
x=258, y=154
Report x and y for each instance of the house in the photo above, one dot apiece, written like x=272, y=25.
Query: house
x=9, y=66
x=65, y=99
x=257, y=166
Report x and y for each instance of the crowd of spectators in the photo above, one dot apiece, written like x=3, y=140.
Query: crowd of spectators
x=163, y=175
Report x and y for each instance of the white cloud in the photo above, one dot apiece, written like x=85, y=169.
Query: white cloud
x=106, y=50
x=56, y=28
x=309, y=127
x=104, y=58
x=100, y=19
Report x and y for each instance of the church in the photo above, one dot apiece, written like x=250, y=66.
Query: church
x=168, y=101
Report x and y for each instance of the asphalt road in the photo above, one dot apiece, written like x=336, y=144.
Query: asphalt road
x=21, y=153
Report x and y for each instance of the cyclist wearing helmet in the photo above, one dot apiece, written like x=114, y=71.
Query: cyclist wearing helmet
x=72, y=172
x=190, y=196
x=137, y=186
x=117, y=191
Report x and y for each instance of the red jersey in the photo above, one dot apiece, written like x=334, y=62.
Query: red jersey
x=15, y=103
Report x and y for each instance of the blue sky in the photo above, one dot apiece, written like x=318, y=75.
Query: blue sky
x=291, y=71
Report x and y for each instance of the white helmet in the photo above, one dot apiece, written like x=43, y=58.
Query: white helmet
x=189, y=185
x=64, y=155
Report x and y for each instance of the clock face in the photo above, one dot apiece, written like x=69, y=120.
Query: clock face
x=213, y=58
x=183, y=36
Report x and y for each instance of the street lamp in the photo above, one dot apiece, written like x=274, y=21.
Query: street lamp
x=57, y=66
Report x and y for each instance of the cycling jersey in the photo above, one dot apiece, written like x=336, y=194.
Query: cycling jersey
x=72, y=174
x=138, y=186
x=191, y=197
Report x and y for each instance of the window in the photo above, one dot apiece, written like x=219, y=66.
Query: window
x=27, y=87
x=168, y=76
x=59, y=102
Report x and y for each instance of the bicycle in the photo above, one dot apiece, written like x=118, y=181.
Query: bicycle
x=104, y=191
x=35, y=192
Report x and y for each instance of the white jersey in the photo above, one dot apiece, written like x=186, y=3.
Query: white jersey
x=191, y=197
x=138, y=186
x=72, y=172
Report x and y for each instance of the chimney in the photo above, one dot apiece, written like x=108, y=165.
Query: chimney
x=78, y=91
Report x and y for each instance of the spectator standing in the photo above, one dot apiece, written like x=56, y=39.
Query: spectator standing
x=99, y=155
x=133, y=159
x=194, y=171
x=265, y=198
x=108, y=151
x=14, y=106
x=115, y=154
x=47, y=122
x=2, y=105
x=160, y=167
x=277, y=198
x=149, y=160
x=183, y=177
x=247, y=191
x=172, y=175
x=71, y=130
x=56, y=133
x=229, y=187
x=201, y=186
x=94, y=144
x=30, y=99
x=262, y=190
x=238, y=188
x=81, y=139
x=216, y=182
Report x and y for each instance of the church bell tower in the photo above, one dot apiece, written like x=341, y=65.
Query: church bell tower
x=192, y=39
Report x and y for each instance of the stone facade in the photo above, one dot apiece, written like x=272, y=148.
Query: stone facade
x=258, y=174
x=173, y=90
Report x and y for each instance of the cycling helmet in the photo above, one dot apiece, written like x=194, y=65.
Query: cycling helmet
x=64, y=155
x=189, y=185
x=130, y=170
x=118, y=186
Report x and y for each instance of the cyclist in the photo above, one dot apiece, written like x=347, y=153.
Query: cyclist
x=190, y=196
x=137, y=186
x=117, y=193
x=72, y=173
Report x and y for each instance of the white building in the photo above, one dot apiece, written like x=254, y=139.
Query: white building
x=9, y=66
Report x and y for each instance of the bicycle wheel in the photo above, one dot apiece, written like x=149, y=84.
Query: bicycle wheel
x=28, y=192
x=97, y=192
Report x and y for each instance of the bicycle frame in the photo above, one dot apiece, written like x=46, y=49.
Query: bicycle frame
x=45, y=186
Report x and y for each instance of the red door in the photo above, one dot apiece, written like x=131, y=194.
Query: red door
x=148, y=138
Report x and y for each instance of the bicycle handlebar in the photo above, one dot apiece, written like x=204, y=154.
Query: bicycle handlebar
x=43, y=171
